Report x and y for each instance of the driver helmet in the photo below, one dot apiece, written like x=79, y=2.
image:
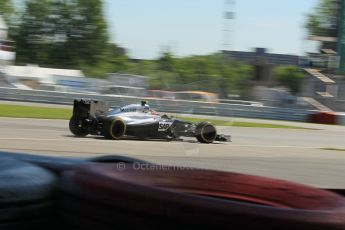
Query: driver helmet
x=145, y=106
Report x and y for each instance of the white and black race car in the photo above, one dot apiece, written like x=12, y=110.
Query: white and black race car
x=135, y=120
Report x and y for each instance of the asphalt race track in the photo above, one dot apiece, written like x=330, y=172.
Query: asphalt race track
x=294, y=154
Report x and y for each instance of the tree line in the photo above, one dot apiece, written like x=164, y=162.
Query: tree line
x=74, y=34
x=62, y=34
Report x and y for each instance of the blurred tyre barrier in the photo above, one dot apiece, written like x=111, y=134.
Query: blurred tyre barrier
x=338, y=191
x=162, y=105
x=328, y=118
x=128, y=193
x=26, y=195
x=135, y=196
x=116, y=159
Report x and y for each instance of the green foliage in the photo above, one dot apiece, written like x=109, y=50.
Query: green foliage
x=213, y=73
x=324, y=19
x=32, y=39
x=166, y=62
x=6, y=8
x=118, y=60
x=9, y=14
x=290, y=77
x=73, y=34
x=65, y=34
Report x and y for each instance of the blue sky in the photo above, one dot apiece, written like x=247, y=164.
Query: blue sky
x=146, y=27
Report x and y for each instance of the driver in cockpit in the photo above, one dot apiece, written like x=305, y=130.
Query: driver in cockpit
x=146, y=108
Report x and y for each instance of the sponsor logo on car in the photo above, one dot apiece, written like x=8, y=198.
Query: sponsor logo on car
x=164, y=125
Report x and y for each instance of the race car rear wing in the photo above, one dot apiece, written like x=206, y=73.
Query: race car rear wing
x=86, y=108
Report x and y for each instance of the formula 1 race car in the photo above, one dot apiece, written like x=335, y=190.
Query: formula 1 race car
x=135, y=120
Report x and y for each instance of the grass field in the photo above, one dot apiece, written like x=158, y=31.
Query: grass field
x=241, y=124
x=20, y=111
x=334, y=149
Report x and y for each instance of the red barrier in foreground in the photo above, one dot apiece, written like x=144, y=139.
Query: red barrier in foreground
x=133, y=196
x=328, y=118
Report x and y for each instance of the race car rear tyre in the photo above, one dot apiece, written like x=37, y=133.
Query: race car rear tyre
x=114, y=128
x=205, y=132
x=76, y=128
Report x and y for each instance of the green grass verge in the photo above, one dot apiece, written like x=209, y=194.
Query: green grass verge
x=20, y=111
x=260, y=125
x=241, y=124
x=334, y=149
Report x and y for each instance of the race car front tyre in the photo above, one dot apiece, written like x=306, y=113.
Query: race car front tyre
x=76, y=127
x=205, y=132
x=114, y=128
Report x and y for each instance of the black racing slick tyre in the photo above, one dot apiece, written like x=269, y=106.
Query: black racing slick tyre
x=75, y=126
x=205, y=132
x=114, y=128
x=27, y=195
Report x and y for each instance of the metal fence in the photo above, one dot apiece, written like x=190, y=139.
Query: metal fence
x=175, y=106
